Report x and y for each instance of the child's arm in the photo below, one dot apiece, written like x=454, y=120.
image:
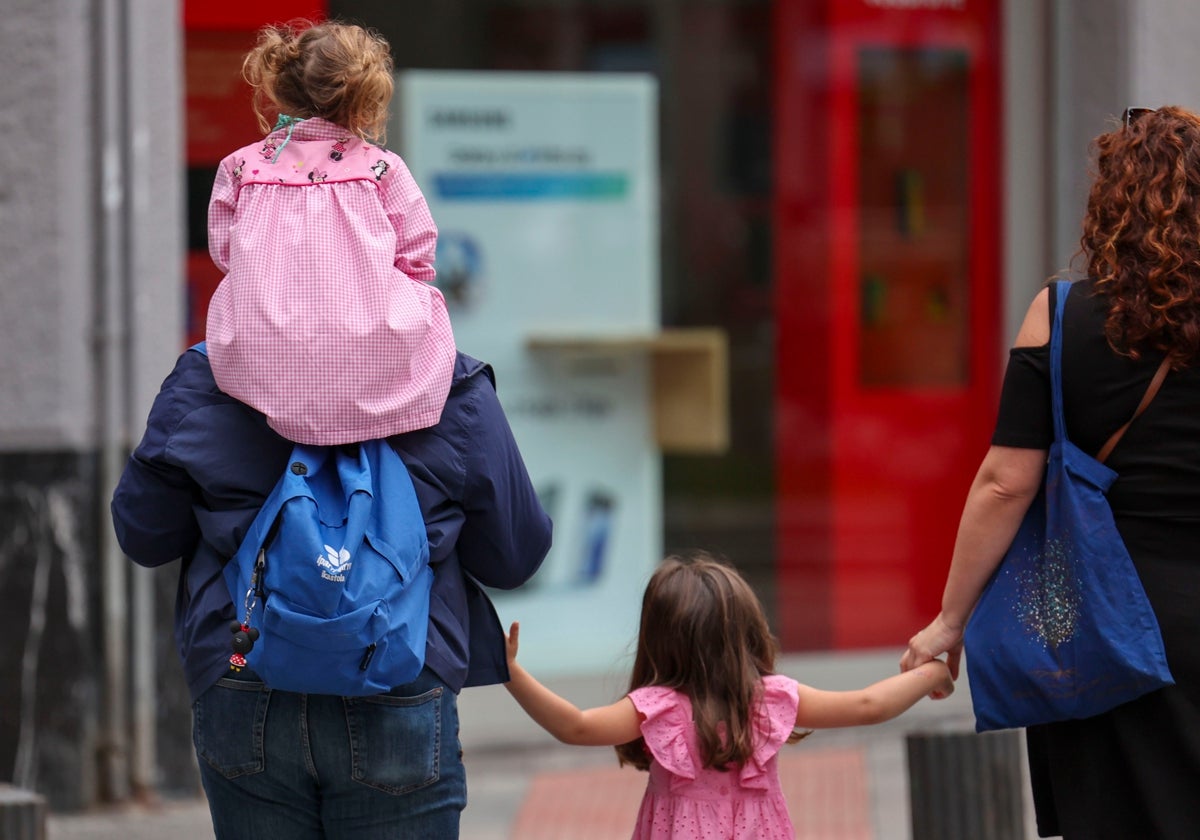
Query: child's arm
x=416, y=234
x=221, y=207
x=876, y=703
x=606, y=726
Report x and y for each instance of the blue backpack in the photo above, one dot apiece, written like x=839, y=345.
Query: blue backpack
x=331, y=583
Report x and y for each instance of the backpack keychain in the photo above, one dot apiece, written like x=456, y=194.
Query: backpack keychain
x=244, y=636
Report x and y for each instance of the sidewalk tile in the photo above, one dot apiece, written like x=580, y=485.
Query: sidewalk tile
x=826, y=792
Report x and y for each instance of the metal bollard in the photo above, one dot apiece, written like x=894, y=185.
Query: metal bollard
x=963, y=784
x=22, y=814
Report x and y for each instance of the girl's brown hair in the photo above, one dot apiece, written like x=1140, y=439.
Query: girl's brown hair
x=339, y=72
x=704, y=634
x=1141, y=234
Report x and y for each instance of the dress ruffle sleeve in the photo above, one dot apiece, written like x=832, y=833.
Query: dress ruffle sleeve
x=667, y=718
x=774, y=722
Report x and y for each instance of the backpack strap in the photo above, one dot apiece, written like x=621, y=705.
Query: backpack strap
x=201, y=348
x=1151, y=392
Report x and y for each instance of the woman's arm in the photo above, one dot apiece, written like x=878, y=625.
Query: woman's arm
x=1005, y=485
x=606, y=726
x=876, y=703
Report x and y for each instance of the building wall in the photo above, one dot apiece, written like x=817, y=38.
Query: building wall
x=46, y=202
x=1027, y=150
x=90, y=304
x=1090, y=85
x=1162, y=58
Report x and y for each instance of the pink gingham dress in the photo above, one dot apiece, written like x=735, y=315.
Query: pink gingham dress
x=326, y=321
x=686, y=801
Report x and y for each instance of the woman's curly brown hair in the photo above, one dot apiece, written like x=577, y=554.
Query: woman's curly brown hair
x=1141, y=234
x=337, y=71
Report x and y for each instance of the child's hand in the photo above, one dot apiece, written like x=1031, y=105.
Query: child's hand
x=945, y=684
x=511, y=641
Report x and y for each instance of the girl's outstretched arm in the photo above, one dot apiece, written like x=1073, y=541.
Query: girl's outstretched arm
x=606, y=726
x=876, y=703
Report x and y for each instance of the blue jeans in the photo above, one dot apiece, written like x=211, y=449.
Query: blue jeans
x=316, y=767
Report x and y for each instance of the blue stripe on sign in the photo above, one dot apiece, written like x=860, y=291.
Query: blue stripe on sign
x=500, y=186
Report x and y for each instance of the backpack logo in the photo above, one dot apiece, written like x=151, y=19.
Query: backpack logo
x=334, y=564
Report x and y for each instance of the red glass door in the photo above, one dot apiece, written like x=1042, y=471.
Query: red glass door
x=887, y=284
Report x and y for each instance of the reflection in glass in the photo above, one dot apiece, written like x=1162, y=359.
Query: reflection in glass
x=914, y=223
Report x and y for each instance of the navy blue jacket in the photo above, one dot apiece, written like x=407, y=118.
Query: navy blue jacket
x=207, y=462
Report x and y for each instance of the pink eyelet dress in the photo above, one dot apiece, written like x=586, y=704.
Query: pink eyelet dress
x=685, y=800
x=326, y=320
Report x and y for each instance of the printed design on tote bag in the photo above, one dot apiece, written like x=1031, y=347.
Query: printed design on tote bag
x=1048, y=601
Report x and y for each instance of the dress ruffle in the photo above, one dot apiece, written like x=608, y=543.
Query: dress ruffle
x=666, y=728
x=685, y=800
x=777, y=708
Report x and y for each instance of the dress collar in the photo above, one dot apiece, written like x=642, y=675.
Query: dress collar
x=313, y=128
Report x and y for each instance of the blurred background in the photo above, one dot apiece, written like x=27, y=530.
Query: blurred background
x=821, y=223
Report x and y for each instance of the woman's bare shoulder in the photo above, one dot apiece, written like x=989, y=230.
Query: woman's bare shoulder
x=1035, y=330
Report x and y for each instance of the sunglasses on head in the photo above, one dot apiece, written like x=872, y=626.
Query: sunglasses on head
x=1132, y=115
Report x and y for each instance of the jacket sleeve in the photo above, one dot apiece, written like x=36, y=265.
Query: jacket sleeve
x=416, y=234
x=152, y=504
x=506, y=534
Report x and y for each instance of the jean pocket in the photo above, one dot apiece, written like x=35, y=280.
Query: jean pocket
x=395, y=742
x=228, y=721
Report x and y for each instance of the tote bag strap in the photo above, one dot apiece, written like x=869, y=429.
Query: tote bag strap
x=1151, y=392
x=1062, y=289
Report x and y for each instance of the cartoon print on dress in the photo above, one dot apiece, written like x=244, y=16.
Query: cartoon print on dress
x=268, y=150
x=317, y=176
x=238, y=164
x=380, y=169
x=339, y=148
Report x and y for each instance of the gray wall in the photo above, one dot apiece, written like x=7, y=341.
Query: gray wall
x=91, y=258
x=1163, y=62
x=46, y=239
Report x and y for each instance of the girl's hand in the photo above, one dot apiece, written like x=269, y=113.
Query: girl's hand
x=511, y=642
x=945, y=686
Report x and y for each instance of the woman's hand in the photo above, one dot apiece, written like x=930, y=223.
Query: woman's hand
x=940, y=637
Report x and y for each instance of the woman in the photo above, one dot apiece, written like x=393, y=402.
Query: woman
x=1133, y=771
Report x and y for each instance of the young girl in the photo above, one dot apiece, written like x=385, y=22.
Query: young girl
x=325, y=320
x=705, y=713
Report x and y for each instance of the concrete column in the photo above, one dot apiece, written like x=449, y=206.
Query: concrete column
x=1028, y=148
x=90, y=319
x=1090, y=55
x=1163, y=62
x=1107, y=55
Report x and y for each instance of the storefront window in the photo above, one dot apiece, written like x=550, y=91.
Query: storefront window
x=713, y=66
x=913, y=217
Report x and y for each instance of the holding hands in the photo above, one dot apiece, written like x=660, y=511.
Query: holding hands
x=940, y=637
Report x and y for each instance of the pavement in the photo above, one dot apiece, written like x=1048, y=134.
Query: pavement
x=850, y=784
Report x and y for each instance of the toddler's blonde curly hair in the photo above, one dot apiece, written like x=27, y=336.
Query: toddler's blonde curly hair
x=336, y=71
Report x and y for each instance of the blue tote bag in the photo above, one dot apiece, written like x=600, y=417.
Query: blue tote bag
x=1064, y=630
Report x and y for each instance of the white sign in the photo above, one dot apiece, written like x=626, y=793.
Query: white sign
x=544, y=188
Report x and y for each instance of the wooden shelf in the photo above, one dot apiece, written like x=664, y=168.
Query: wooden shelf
x=690, y=380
